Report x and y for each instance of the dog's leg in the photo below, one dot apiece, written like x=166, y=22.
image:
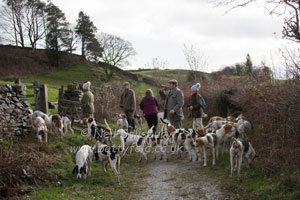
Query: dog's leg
x=46, y=137
x=70, y=127
x=223, y=148
x=119, y=163
x=217, y=150
x=231, y=163
x=204, y=156
x=240, y=159
x=90, y=163
x=113, y=167
x=213, y=154
x=104, y=165
x=125, y=151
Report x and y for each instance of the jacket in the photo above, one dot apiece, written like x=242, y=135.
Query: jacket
x=149, y=106
x=128, y=101
x=196, y=111
x=174, y=99
x=87, y=103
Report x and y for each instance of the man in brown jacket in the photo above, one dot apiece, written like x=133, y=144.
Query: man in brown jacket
x=128, y=103
x=174, y=101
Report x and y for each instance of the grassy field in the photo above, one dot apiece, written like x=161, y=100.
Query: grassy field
x=99, y=186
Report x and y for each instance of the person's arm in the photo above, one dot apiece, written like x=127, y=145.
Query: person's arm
x=121, y=101
x=142, y=104
x=180, y=102
x=156, y=102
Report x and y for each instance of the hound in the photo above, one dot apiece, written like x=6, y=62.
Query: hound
x=100, y=133
x=244, y=127
x=239, y=149
x=138, y=120
x=223, y=135
x=164, y=146
x=39, y=125
x=67, y=125
x=54, y=122
x=122, y=122
x=84, y=158
x=108, y=154
x=129, y=140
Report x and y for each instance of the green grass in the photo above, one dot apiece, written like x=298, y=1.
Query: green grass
x=99, y=186
x=252, y=184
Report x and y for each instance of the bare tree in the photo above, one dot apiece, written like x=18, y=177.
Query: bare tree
x=116, y=52
x=155, y=63
x=35, y=26
x=288, y=8
x=12, y=15
x=70, y=41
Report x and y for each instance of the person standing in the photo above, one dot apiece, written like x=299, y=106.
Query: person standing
x=196, y=108
x=87, y=101
x=128, y=104
x=174, y=101
x=149, y=106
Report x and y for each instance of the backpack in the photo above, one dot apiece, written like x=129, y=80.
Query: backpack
x=203, y=104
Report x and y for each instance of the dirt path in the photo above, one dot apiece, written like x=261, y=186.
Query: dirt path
x=178, y=179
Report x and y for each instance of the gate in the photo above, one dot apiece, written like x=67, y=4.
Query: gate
x=40, y=95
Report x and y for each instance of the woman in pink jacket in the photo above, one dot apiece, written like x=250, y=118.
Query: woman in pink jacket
x=149, y=106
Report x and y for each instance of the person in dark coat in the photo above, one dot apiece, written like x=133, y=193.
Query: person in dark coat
x=128, y=104
x=174, y=100
x=196, y=108
x=149, y=106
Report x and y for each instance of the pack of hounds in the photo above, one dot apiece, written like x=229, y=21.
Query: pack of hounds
x=219, y=132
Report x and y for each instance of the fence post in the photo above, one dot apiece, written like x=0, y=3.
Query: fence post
x=36, y=95
x=44, y=98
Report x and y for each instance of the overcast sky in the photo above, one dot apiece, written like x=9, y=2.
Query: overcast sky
x=159, y=28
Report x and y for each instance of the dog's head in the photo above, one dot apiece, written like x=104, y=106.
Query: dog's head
x=88, y=120
x=79, y=170
x=57, y=121
x=119, y=132
x=228, y=128
x=241, y=116
x=170, y=128
x=236, y=144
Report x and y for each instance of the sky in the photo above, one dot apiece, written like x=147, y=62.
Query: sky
x=160, y=28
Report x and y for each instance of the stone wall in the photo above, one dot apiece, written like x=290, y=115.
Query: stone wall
x=14, y=111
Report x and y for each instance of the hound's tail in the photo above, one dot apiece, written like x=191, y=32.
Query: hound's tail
x=162, y=121
x=107, y=126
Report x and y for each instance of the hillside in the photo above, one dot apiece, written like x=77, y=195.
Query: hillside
x=162, y=76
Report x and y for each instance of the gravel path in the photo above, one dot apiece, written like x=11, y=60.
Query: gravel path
x=178, y=179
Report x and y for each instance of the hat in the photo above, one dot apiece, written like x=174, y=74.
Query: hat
x=86, y=86
x=175, y=82
x=126, y=83
x=196, y=87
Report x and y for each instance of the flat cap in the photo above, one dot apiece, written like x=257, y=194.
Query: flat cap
x=175, y=82
x=126, y=83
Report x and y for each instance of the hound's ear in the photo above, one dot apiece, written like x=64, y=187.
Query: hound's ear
x=75, y=170
x=84, y=170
